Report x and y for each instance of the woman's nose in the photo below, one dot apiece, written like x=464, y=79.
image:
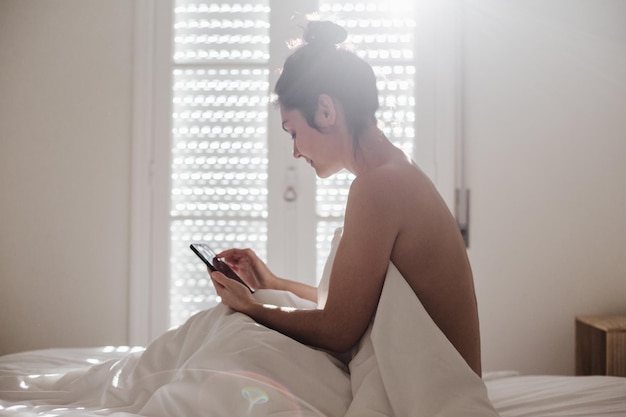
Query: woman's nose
x=296, y=151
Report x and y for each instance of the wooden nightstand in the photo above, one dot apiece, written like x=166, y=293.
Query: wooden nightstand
x=601, y=345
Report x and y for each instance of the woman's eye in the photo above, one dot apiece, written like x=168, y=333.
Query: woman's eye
x=293, y=136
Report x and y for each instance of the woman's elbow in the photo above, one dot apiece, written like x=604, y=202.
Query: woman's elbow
x=340, y=341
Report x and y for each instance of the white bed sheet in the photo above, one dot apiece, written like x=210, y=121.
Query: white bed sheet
x=218, y=363
x=512, y=394
x=222, y=363
x=557, y=396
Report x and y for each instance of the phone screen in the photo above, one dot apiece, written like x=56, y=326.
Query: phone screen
x=209, y=257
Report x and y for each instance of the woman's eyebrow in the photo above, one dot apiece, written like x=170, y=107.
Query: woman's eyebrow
x=284, y=128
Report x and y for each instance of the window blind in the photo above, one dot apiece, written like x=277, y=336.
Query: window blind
x=219, y=146
x=219, y=138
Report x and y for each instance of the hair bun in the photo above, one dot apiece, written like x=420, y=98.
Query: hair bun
x=324, y=33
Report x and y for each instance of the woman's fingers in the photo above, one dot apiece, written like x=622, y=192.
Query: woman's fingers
x=232, y=254
x=233, y=294
x=220, y=280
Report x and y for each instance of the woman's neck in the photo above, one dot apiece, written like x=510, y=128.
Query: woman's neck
x=372, y=150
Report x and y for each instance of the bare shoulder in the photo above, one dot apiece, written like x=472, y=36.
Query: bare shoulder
x=386, y=203
x=399, y=189
x=386, y=181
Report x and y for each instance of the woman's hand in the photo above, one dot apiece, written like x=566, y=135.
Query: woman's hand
x=250, y=268
x=253, y=271
x=232, y=293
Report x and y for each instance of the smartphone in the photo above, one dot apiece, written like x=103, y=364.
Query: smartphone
x=208, y=256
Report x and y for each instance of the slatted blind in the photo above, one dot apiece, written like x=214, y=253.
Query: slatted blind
x=220, y=106
x=219, y=152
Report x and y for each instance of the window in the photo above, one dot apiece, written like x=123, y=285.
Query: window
x=225, y=174
x=219, y=140
x=221, y=102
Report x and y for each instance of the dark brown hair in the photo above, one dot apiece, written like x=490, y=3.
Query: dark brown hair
x=321, y=67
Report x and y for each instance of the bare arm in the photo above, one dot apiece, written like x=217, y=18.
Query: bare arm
x=300, y=289
x=356, y=280
x=257, y=275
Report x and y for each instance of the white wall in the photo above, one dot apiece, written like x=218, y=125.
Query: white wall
x=545, y=102
x=65, y=125
x=546, y=130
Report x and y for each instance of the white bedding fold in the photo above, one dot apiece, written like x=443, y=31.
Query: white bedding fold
x=219, y=363
x=405, y=366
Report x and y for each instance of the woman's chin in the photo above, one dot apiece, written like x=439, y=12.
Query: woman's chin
x=323, y=173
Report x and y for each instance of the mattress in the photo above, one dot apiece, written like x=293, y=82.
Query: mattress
x=223, y=363
x=512, y=394
x=515, y=395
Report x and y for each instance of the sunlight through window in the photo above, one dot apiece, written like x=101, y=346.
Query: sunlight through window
x=221, y=102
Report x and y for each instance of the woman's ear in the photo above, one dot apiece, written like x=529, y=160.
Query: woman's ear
x=326, y=112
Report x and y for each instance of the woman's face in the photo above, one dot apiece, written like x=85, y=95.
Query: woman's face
x=319, y=148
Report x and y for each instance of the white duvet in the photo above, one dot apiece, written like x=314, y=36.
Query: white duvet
x=222, y=363
x=219, y=363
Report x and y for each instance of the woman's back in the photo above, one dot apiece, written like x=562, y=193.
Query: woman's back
x=430, y=253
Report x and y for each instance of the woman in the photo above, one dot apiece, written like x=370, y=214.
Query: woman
x=328, y=99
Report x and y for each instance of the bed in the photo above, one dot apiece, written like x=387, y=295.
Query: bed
x=222, y=363
x=512, y=394
x=165, y=380
x=515, y=395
